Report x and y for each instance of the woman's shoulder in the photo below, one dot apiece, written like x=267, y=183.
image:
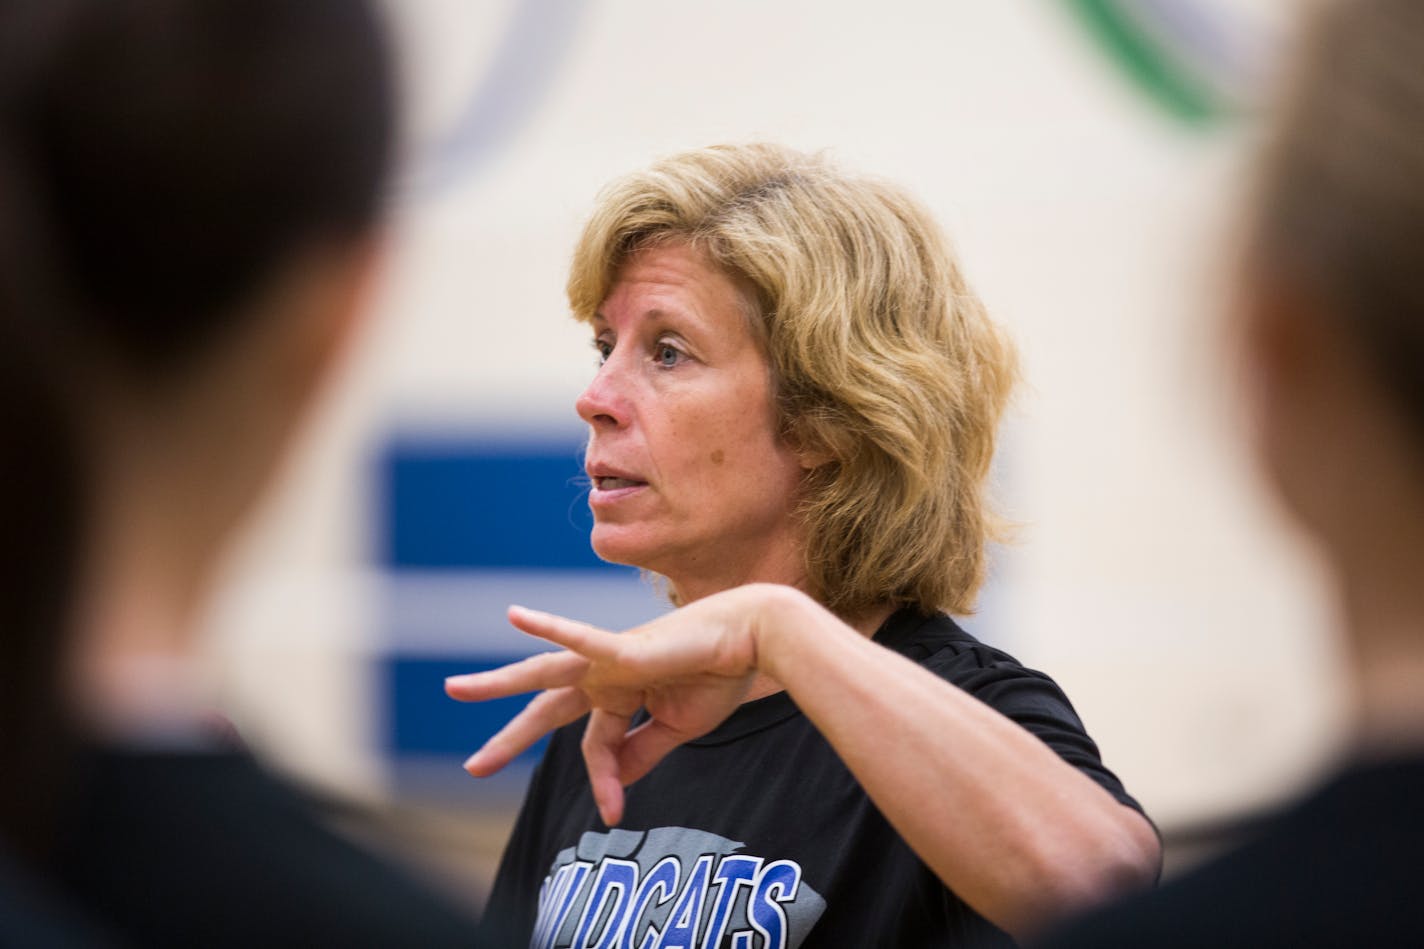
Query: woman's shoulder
x=988, y=673
x=1026, y=696
x=936, y=640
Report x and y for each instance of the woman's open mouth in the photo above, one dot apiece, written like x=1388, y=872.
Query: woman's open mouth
x=610, y=483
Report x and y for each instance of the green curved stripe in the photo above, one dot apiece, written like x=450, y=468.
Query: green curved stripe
x=1151, y=68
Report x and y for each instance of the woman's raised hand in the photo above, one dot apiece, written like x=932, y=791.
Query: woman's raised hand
x=689, y=669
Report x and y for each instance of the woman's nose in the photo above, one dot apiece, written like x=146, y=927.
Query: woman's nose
x=602, y=403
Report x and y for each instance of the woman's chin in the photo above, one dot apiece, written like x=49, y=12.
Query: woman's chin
x=615, y=545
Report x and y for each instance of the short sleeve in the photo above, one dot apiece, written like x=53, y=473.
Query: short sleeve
x=1032, y=700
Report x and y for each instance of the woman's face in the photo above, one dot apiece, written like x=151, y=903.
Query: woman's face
x=689, y=477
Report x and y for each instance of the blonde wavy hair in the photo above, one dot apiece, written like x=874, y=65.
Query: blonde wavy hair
x=883, y=362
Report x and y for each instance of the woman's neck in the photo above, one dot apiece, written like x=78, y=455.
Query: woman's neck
x=1387, y=682
x=1383, y=606
x=146, y=572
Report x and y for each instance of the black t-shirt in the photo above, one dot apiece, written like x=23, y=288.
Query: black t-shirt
x=34, y=917
x=756, y=835
x=1340, y=870
x=205, y=848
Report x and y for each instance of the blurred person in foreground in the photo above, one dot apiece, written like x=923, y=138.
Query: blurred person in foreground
x=39, y=535
x=1331, y=331
x=798, y=391
x=192, y=190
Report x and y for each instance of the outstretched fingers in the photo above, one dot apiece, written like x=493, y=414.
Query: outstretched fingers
x=549, y=710
x=546, y=670
x=597, y=644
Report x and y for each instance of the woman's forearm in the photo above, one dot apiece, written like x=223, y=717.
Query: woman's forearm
x=1013, y=829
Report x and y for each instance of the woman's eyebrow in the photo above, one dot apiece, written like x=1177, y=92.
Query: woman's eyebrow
x=682, y=317
x=652, y=314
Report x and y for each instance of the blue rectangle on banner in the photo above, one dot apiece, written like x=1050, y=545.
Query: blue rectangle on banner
x=465, y=505
x=423, y=721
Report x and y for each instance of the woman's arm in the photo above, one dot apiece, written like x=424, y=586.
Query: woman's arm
x=1015, y=831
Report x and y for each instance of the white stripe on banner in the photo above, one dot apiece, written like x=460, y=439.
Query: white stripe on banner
x=440, y=613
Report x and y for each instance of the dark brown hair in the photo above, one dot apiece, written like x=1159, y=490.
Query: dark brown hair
x=159, y=160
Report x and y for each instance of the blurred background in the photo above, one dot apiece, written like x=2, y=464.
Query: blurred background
x=1086, y=157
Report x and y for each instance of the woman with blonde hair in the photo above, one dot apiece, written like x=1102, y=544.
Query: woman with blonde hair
x=792, y=424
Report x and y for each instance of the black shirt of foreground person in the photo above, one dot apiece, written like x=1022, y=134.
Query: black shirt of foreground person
x=1340, y=869
x=203, y=847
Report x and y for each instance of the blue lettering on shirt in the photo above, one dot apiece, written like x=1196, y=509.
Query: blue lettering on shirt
x=628, y=890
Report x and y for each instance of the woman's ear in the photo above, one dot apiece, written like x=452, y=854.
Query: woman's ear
x=332, y=296
x=311, y=314
x=1278, y=353
x=1316, y=416
x=811, y=460
x=811, y=453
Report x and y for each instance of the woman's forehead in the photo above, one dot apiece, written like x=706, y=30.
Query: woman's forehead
x=670, y=280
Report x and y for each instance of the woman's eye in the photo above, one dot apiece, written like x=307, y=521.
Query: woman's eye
x=667, y=355
x=604, y=349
